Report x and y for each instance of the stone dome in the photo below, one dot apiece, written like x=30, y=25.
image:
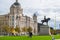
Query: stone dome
x=16, y=4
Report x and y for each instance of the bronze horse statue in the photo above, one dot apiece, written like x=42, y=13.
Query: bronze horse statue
x=45, y=20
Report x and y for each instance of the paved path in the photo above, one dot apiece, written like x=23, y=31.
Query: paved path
x=57, y=39
x=1, y=36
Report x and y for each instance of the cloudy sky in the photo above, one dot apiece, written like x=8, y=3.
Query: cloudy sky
x=48, y=8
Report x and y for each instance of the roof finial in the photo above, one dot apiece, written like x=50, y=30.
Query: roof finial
x=16, y=0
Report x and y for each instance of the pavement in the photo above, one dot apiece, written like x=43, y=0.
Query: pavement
x=57, y=39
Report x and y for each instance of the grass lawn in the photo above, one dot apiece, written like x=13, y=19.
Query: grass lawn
x=28, y=38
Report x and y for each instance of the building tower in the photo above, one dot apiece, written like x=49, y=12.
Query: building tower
x=35, y=23
x=16, y=8
x=15, y=13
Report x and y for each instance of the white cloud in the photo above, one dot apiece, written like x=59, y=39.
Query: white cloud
x=50, y=8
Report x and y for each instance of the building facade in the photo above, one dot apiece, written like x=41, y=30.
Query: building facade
x=16, y=18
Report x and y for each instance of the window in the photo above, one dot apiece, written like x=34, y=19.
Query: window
x=12, y=18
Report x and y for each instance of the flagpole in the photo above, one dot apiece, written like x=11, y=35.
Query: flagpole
x=55, y=24
x=54, y=28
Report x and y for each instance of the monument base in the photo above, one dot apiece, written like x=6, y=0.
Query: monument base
x=44, y=30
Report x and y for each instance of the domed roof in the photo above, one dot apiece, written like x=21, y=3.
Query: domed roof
x=35, y=14
x=16, y=4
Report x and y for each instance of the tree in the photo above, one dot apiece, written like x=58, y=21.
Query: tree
x=1, y=26
x=17, y=29
x=12, y=29
x=6, y=28
x=52, y=31
x=34, y=30
x=29, y=29
x=24, y=29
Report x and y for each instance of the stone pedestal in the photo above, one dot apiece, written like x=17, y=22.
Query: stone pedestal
x=44, y=30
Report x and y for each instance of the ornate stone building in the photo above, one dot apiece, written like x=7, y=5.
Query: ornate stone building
x=16, y=18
